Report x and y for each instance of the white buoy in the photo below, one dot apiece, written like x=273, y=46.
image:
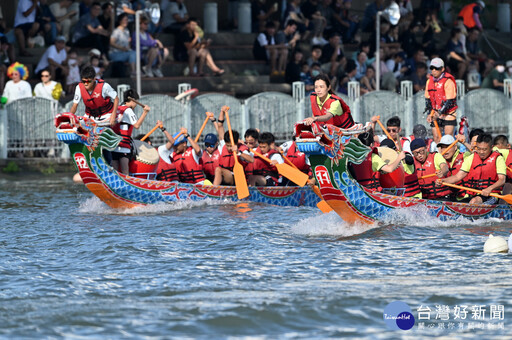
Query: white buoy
x=495, y=244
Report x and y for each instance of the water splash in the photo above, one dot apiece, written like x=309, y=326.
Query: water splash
x=329, y=224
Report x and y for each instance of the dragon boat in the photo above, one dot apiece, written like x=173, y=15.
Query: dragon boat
x=330, y=150
x=86, y=141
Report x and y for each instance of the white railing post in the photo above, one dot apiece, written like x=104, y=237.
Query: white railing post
x=187, y=116
x=354, y=94
x=507, y=90
x=121, y=88
x=299, y=89
x=407, y=95
x=3, y=133
x=461, y=91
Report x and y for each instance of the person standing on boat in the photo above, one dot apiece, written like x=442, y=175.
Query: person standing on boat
x=428, y=163
x=100, y=99
x=127, y=121
x=484, y=170
x=327, y=107
x=441, y=98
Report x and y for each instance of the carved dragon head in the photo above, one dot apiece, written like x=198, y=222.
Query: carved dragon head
x=72, y=129
x=332, y=141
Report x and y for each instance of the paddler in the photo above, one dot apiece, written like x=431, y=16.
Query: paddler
x=454, y=158
x=264, y=173
x=188, y=159
x=166, y=170
x=428, y=163
x=484, y=170
x=502, y=145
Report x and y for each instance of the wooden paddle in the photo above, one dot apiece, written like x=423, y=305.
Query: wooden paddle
x=322, y=205
x=428, y=176
x=242, y=189
x=287, y=160
x=294, y=175
x=506, y=198
x=449, y=147
x=136, y=102
x=387, y=133
x=150, y=132
x=438, y=130
x=208, y=115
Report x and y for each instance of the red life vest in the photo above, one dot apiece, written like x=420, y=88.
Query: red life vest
x=299, y=159
x=249, y=167
x=467, y=14
x=210, y=162
x=428, y=186
x=437, y=93
x=411, y=184
x=364, y=173
x=508, y=163
x=166, y=172
x=455, y=164
x=262, y=168
x=343, y=121
x=124, y=130
x=95, y=105
x=482, y=173
x=226, y=160
x=186, y=166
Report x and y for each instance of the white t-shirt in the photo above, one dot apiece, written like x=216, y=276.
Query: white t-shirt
x=45, y=91
x=23, y=6
x=165, y=153
x=129, y=118
x=106, y=91
x=52, y=53
x=17, y=90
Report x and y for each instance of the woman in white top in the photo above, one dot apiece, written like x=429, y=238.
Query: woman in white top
x=120, y=40
x=17, y=88
x=48, y=88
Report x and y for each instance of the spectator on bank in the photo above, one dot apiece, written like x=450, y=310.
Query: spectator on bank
x=419, y=77
x=48, y=88
x=25, y=24
x=306, y=76
x=153, y=52
x=348, y=75
x=326, y=11
x=48, y=25
x=174, y=17
x=190, y=47
x=288, y=36
x=73, y=78
x=471, y=15
x=429, y=36
x=84, y=7
x=6, y=59
x=370, y=14
x=368, y=81
x=263, y=11
x=388, y=81
x=345, y=22
x=88, y=30
x=102, y=58
x=332, y=55
x=456, y=59
x=120, y=44
x=310, y=10
x=408, y=40
x=397, y=65
x=266, y=48
x=54, y=59
x=293, y=12
x=17, y=87
x=494, y=80
x=361, y=65
x=478, y=58
x=294, y=67
x=66, y=13
x=316, y=55
x=107, y=21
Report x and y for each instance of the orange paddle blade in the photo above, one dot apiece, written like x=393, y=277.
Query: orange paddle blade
x=242, y=190
x=324, y=207
x=294, y=175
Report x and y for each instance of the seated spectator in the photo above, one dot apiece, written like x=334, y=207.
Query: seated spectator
x=73, y=77
x=370, y=14
x=494, y=80
x=88, y=30
x=54, y=59
x=326, y=11
x=25, y=24
x=66, y=13
x=153, y=52
x=307, y=78
x=48, y=88
x=419, y=77
x=265, y=48
x=408, y=40
x=288, y=36
x=294, y=67
x=348, y=76
x=310, y=10
x=174, y=17
x=120, y=44
x=477, y=58
x=17, y=87
x=5, y=59
x=345, y=22
x=102, y=59
x=263, y=12
x=388, y=81
x=456, y=59
x=397, y=65
x=368, y=81
x=316, y=55
x=361, y=65
x=293, y=12
x=429, y=36
x=107, y=21
x=48, y=25
x=332, y=54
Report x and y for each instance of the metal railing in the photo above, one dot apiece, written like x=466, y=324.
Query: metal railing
x=26, y=125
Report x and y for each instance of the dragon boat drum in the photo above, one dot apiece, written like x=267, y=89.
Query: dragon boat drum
x=146, y=160
x=393, y=179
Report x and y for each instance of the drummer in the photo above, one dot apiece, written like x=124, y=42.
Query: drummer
x=127, y=120
x=428, y=163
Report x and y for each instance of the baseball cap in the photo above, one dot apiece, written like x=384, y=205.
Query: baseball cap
x=179, y=140
x=481, y=3
x=419, y=131
x=446, y=140
x=437, y=62
x=388, y=143
x=95, y=52
x=61, y=38
x=210, y=139
x=417, y=143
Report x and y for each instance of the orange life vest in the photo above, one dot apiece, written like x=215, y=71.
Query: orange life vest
x=482, y=173
x=210, y=162
x=428, y=186
x=438, y=95
x=298, y=158
x=226, y=160
x=343, y=121
x=262, y=168
x=189, y=171
x=467, y=14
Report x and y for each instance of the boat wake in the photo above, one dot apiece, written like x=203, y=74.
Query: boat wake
x=94, y=205
x=329, y=224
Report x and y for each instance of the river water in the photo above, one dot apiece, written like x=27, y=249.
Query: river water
x=71, y=267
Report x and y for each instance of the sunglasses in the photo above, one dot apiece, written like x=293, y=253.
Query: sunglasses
x=436, y=68
x=392, y=130
x=208, y=145
x=86, y=81
x=45, y=75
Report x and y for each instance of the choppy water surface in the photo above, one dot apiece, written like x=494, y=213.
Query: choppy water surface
x=72, y=267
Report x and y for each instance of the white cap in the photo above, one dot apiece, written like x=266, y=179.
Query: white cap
x=495, y=245
x=481, y=3
x=437, y=62
x=95, y=52
x=446, y=140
